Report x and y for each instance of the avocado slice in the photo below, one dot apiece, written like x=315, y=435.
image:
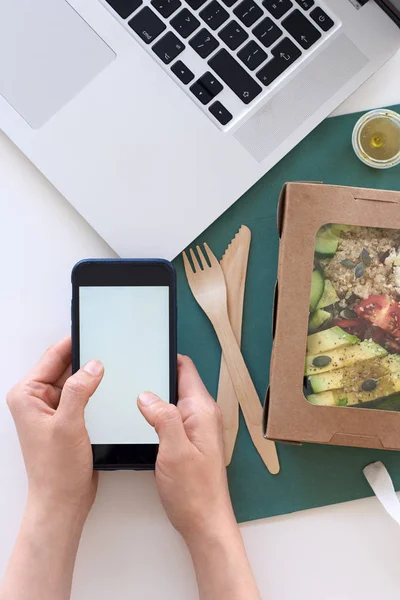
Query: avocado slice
x=322, y=399
x=329, y=295
x=337, y=229
x=386, y=386
x=326, y=243
x=332, y=380
x=391, y=363
x=317, y=289
x=350, y=378
x=345, y=356
x=331, y=338
x=317, y=319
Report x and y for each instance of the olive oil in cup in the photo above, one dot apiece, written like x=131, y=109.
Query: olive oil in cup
x=376, y=139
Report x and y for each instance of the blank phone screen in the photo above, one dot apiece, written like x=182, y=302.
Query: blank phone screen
x=127, y=329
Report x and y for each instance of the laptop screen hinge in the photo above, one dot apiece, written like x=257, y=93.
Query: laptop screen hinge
x=358, y=3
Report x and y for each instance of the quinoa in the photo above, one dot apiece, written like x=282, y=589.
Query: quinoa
x=379, y=277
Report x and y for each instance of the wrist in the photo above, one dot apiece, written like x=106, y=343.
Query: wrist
x=216, y=530
x=67, y=517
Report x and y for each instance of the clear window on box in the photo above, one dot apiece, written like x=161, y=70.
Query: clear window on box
x=353, y=342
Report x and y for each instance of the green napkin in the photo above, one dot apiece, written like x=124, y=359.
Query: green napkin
x=311, y=475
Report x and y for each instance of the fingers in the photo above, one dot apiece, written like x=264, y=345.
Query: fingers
x=189, y=380
x=61, y=380
x=53, y=363
x=164, y=417
x=200, y=414
x=79, y=388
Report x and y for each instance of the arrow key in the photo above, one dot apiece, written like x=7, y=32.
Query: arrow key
x=301, y=29
x=211, y=84
x=200, y=92
x=182, y=72
x=220, y=113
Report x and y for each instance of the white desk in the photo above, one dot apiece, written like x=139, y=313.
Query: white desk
x=129, y=550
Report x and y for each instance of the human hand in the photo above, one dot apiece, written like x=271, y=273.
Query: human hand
x=48, y=410
x=190, y=469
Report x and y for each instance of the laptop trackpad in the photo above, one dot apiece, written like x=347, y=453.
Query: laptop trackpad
x=48, y=54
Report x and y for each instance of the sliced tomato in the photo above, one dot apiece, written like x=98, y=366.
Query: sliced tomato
x=354, y=326
x=392, y=344
x=378, y=335
x=381, y=312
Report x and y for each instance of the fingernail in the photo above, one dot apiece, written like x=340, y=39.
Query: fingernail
x=94, y=367
x=147, y=398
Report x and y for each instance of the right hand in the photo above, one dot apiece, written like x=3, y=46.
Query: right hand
x=190, y=470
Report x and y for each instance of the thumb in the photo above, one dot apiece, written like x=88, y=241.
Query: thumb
x=79, y=388
x=164, y=417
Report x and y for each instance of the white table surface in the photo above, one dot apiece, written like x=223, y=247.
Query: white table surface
x=129, y=550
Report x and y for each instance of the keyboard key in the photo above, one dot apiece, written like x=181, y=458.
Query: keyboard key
x=229, y=2
x=285, y=53
x=195, y=4
x=166, y=7
x=271, y=71
x=301, y=29
x=185, y=23
x=233, y=35
x=267, y=32
x=252, y=55
x=306, y=4
x=182, y=72
x=204, y=43
x=124, y=7
x=277, y=8
x=322, y=19
x=214, y=15
x=168, y=47
x=220, y=113
x=200, y=93
x=147, y=25
x=248, y=12
x=235, y=77
x=211, y=84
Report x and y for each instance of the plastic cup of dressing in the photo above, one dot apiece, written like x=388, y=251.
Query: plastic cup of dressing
x=376, y=138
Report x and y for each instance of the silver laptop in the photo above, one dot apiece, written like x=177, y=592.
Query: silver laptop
x=153, y=116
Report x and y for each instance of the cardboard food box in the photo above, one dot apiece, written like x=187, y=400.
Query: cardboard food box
x=335, y=367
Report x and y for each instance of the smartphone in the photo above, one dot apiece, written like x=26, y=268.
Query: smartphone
x=124, y=314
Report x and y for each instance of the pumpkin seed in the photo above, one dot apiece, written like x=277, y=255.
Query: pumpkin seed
x=352, y=298
x=383, y=256
x=349, y=264
x=347, y=313
x=369, y=385
x=321, y=361
x=365, y=257
x=359, y=271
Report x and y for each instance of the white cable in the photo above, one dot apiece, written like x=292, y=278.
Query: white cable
x=382, y=485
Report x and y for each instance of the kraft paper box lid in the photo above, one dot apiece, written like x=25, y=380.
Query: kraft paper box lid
x=303, y=209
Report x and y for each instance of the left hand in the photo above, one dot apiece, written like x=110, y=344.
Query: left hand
x=48, y=409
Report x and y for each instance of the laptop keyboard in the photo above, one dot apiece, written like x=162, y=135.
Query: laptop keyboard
x=225, y=53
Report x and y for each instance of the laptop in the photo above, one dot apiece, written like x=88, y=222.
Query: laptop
x=152, y=117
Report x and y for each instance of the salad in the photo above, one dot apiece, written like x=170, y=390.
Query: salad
x=353, y=343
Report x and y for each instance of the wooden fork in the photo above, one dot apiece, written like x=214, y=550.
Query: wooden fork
x=209, y=289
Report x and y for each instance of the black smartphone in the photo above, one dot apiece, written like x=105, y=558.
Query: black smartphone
x=124, y=314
